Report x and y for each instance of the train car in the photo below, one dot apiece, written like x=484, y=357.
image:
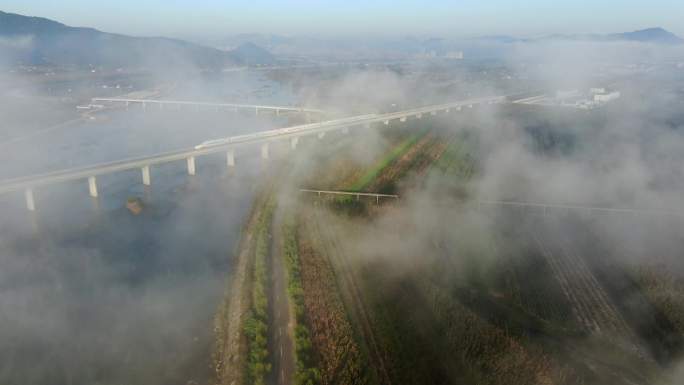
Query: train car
x=212, y=143
x=283, y=131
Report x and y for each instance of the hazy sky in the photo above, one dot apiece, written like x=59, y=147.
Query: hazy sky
x=215, y=18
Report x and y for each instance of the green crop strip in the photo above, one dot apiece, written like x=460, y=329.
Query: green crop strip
x=256, y=326
x=306, y=372
x=390, y=157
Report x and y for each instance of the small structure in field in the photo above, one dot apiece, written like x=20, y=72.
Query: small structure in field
x=134, y=205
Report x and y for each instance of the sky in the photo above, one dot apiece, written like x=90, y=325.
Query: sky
x=382, y=18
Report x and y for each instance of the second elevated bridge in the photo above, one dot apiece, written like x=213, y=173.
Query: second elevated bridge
x=160, y=103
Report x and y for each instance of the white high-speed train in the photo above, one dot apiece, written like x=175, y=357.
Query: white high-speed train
x=282, y=131
x=239, y=138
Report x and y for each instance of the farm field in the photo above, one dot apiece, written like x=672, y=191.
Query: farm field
x=500, y=297
x=362, y=193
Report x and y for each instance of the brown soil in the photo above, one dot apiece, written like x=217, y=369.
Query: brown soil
x=327, y=244
x=281, y=312
x=332, y=334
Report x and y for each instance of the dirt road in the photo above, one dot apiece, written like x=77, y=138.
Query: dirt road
x=231, y=349
x=282, y=324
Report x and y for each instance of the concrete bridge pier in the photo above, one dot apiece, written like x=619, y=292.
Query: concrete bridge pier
x=264, y=151
x=433, y=113
x=321, y=135
x=386, y=122
x=256, y=111
x=345, y=130
x=447, y=110
x=230, y=158
x=95, y=202
x=92, y=186
x=30, y=203
x=458, y=108
x=418, y=116
x=146, y=176
x=191, y=165
x=293, y=142
x=144, y=106
x=277, y=111
x=402, y=119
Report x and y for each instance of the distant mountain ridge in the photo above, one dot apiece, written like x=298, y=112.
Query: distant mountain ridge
x=342, y=48
x=250, y=53
x=658, y=35
x=37, y=40
x=14, y=24
x=650, y=35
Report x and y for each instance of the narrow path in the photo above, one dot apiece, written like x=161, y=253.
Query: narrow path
x=282, y=343
x=231, y=349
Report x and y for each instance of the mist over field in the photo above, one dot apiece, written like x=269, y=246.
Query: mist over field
x=625, y=156
x=531, y=239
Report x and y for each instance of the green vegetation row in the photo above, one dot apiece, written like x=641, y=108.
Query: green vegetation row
x=488, y=355
x=454, y=343
x=665, y=291
x=220, y=354
x=399, y=150
x=350, y=204
x=256, y=326
x=306, y=373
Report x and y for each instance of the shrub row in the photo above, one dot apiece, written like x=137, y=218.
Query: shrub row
x=306, y=373
x=256, y=325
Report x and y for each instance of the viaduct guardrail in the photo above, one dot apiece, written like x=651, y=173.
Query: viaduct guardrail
x=356, y=194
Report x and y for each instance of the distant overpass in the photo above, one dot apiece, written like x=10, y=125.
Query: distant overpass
x=178, y=103
x=226, y=145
